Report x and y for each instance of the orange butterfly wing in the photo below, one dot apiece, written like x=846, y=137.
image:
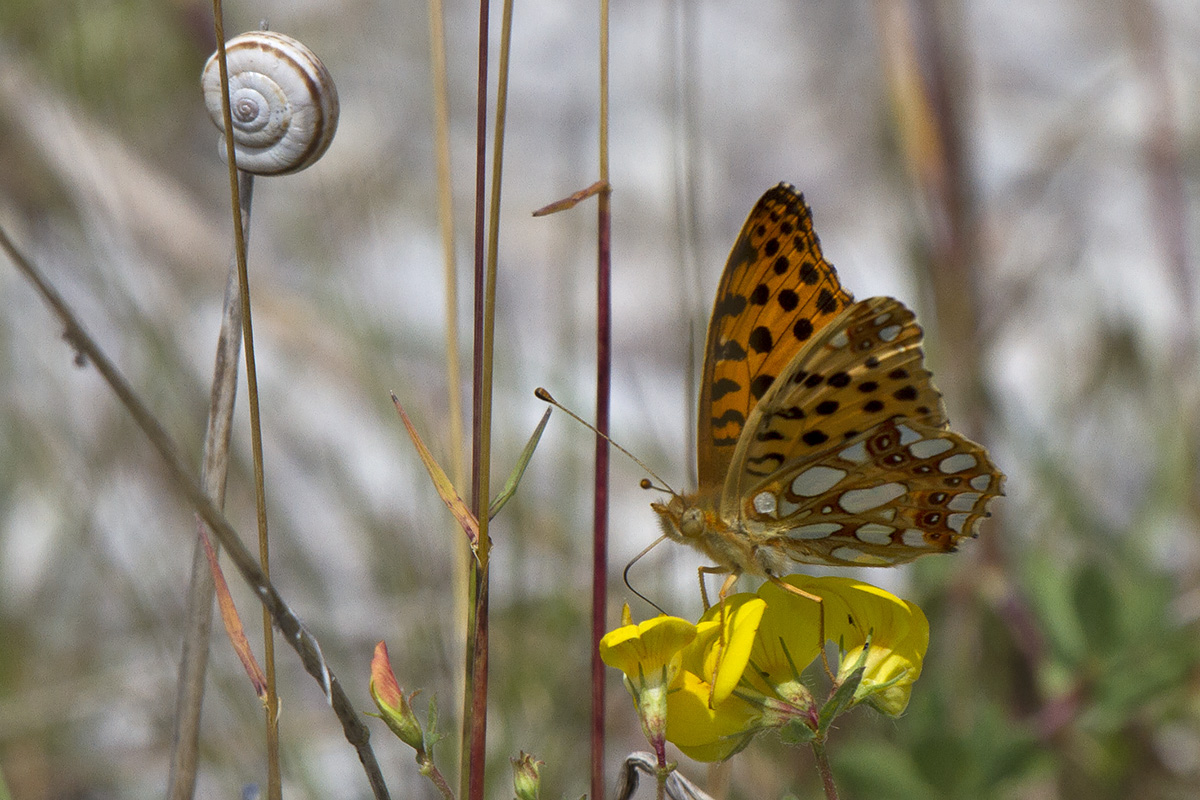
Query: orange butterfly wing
x=849, y=460
x=777, y=291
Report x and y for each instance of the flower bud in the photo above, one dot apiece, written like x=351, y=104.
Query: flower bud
x=527, y=779
x=394, y=708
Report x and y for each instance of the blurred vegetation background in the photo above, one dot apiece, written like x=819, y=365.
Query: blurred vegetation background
x=1023, y=174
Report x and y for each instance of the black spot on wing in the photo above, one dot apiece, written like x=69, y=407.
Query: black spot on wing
x=761, y=340
x=723, y=387
x=729, y=305
x=760, y=385
x=730, y=351
x=814, y=437
x=730, y=417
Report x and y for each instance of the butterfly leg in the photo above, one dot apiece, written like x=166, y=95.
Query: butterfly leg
x=724, y=589
x=787, y=587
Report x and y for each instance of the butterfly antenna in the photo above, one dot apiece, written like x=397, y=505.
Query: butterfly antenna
x=629, y=566
x=545, y=396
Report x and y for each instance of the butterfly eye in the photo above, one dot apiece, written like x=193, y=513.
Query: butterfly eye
x=691, y=523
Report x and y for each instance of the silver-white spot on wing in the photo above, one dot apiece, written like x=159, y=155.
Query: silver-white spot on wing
x=816, y=480
x=874, y=533
x=855, y=453
x=818, y=530
x=907, y=434
x=956, y=521
x=928, y=448
x=957, y=463
x=963, y=502
x=764, y=503
x=856, y=556
x=981, y=482
x=856, y=501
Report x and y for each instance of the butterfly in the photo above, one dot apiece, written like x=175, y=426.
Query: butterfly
x=821, y=438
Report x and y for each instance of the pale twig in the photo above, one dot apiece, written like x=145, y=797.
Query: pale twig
x=194, y=661
x=294, y=632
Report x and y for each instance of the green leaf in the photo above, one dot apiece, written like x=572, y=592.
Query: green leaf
x=796, y=732
x=441, y=482
x=514, y=477
x=432, y=734
x=841, y=699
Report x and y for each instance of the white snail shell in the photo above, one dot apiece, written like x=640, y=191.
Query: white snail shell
x=283, y=101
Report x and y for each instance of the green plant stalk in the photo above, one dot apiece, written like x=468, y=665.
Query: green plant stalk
x=271, y=711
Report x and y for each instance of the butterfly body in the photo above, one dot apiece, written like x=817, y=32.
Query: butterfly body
x=821, y=438
x=695, y=520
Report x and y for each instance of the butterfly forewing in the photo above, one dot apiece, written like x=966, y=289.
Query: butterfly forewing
x=776, y=293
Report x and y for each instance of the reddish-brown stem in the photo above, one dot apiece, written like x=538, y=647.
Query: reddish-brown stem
x=818, y=748
x=475, y=691
x=600, y=509
x=603, y=392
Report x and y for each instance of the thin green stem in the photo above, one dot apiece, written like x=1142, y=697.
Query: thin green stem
x=464, y=562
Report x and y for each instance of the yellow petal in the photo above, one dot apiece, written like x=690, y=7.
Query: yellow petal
x=648, y=647
x=704, y=733
x=726, y=661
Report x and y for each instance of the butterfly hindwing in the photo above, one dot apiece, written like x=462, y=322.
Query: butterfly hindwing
x=776, y=293
x=899, y=491
x=865, y=367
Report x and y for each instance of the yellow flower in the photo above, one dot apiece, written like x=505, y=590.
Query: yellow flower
x=649, y=655
x=855, y=613
x=720, y=657
x=708, y=732
x=898, y=636
x=709, y=688
x=705, y=718
x=788, y=640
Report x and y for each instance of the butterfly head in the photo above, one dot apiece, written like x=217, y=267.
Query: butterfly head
x=694, y=520
x=681, y=521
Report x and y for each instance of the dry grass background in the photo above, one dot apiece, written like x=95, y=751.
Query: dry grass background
x=1063, y=661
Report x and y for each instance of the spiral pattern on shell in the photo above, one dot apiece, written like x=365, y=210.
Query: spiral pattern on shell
x=283, y=102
